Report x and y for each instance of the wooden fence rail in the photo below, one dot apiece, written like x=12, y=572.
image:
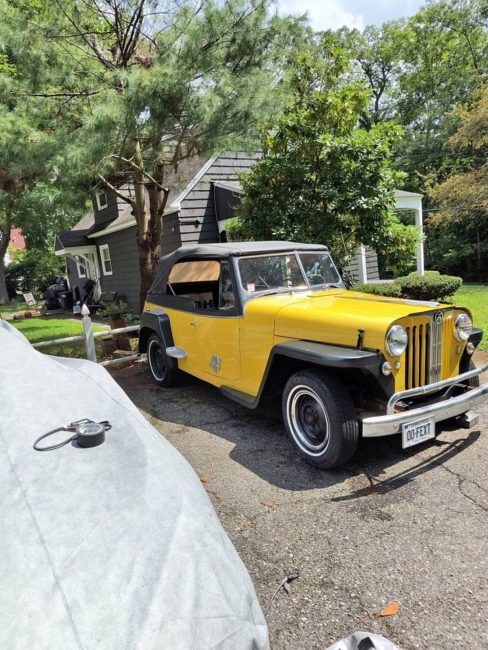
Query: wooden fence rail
x=88, y=338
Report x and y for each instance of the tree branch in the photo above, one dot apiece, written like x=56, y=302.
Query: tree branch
x=82, y=93
x=143, y=171
x=117, y=192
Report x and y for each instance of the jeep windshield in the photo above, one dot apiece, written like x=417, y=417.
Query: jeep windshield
x=287, y=272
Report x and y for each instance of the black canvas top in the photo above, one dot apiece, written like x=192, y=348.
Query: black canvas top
x=222, y=250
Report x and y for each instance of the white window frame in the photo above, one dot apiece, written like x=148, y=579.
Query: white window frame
x=105, y=247
x=100, y=205
x=81, y=264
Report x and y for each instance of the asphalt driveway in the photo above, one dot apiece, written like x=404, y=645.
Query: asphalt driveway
x=408, y=527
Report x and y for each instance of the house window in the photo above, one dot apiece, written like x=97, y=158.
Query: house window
x=106, y=261
x=102, y=200
x=81, y=267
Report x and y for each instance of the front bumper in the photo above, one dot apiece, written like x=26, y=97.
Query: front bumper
x=391, y=423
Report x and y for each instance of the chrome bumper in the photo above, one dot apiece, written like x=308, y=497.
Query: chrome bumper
x=391, y=423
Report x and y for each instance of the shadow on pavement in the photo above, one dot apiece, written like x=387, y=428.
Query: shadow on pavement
x=261, y=445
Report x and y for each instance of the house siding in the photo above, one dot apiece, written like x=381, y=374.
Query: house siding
x=108, y=214
x=197, y=222
x=371, y=266
x=125, y=278
x=171, y=235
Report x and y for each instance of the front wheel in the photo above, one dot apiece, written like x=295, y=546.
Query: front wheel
x=162, y=374
x=320, y=419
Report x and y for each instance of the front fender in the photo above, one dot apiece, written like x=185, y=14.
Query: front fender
x=323, y=355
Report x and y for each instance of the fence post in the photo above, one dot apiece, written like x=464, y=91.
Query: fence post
x=88, y=334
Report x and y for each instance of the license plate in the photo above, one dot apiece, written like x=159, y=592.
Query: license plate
x=417, y=432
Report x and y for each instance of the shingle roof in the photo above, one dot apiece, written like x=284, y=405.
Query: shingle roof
x=71, y=238
x=404, y=193
x=177, y=181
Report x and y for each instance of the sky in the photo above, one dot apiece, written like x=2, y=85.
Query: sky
x=331, y=14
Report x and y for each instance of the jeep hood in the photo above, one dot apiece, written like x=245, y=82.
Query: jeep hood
x=336, y=315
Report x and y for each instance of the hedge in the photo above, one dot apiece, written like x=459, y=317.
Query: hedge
x=431, y=286
x=386, y=289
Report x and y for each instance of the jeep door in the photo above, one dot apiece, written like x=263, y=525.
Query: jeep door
x=208, y=330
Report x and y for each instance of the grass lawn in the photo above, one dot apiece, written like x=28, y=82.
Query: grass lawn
x=42, y=329
x=475, y=298
x=15, y=305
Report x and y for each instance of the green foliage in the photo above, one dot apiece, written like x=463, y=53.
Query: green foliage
x=116, y=310
x=459, y=229
x=322, y=179
x=384, y=289
x=475, y=298
x=398, y=247
x=35, y=272
x=431, y=286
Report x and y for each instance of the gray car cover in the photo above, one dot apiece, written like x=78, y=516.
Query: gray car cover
x=113, y=547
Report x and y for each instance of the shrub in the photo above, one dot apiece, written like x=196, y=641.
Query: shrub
x=35, y=271
x=387, y=289
x=431, y=286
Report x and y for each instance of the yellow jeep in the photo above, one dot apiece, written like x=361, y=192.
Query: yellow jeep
x=259, y=319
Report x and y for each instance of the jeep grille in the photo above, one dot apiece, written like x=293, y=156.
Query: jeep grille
x=423, y=357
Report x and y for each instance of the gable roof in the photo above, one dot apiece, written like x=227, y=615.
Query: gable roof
x=186, y=171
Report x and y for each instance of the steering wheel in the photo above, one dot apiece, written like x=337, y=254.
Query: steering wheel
x=313, y=276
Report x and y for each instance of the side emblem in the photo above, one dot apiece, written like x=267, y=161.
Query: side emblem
x=438, y=317
x=215, y=363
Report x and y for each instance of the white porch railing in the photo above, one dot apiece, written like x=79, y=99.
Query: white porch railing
x=88, y=338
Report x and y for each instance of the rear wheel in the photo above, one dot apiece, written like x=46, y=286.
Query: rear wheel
x=162, y=374
x=320, y=419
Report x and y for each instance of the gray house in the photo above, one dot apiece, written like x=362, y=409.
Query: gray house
x=102, y=246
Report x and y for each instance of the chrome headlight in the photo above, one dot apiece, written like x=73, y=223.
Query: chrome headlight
x=463, y=326
x=396, y=341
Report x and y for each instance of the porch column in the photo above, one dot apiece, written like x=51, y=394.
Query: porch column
x=362, y=268
x=413, y=201
x=420, y=245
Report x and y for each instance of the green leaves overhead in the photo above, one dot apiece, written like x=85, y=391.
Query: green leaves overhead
x=322, y=178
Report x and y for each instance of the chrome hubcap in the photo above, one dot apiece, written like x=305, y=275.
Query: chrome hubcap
x=308, y=420
x=157, y=362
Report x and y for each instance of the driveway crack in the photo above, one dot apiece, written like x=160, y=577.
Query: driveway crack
x=461, y=481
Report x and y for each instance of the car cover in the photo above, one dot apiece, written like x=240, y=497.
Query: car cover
x=364, y=641
x=115, y=546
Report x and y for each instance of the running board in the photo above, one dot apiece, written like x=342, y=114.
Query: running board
x=243, y=399
x=175, y=353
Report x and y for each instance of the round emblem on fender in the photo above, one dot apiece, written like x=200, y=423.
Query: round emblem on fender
x=438, y=317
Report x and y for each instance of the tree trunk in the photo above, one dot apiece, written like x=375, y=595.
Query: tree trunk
x=4, y=241
x=147, y=268
x=149, y=240
x=149, y=244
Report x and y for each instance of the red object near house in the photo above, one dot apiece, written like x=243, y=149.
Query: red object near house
x=17, y=239
x=28, y=314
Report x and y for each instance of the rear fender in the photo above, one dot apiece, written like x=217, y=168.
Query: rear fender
x=156, y=323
